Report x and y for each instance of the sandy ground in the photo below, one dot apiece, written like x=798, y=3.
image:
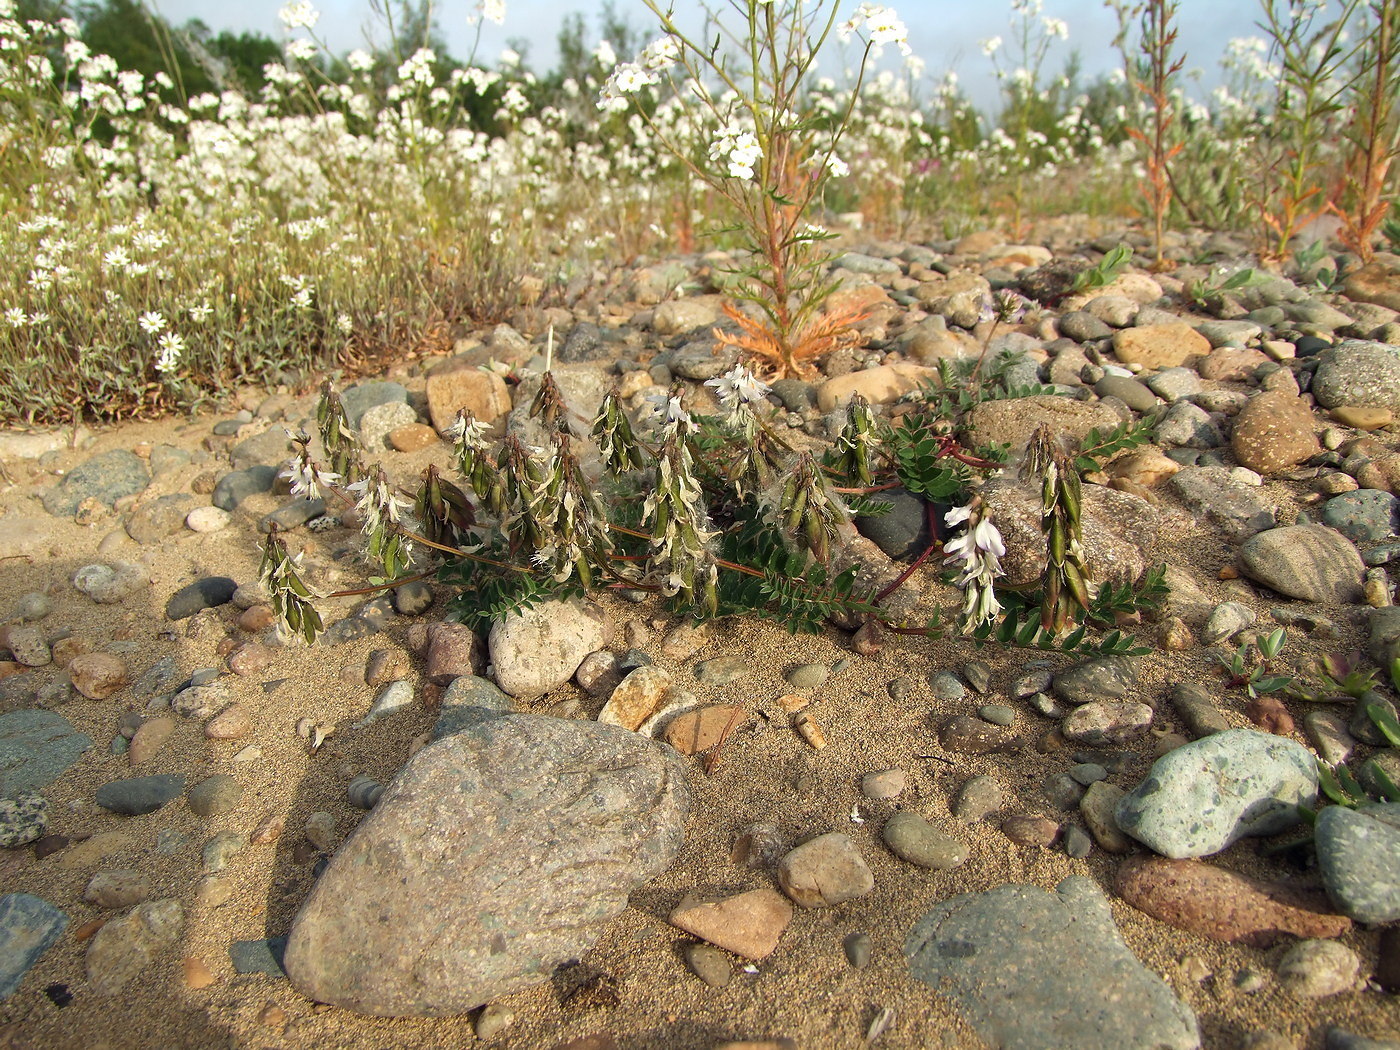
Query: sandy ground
x=646, y=997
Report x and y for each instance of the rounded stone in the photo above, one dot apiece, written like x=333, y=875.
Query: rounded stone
x=910, y=837
x=214, y=795
x=1316, y=969
x=23, y=819
x=710, y=964
x=825, y=871
x=207, y=519
x=97, y=675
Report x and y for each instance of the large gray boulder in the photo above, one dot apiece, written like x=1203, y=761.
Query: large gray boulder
x=495, y=855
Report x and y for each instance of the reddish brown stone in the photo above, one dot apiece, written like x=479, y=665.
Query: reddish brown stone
x=1030, y=829
x=748, y=924
x=1269, y=714
x=453, y=650
x=1222, y=905
x=696, y=731
x=97, y=675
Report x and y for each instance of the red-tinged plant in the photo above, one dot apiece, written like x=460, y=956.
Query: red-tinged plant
x=1154, y=78
x=1361, y=200
x=1312, y=88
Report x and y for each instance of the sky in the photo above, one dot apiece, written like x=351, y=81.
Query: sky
x=946, y=34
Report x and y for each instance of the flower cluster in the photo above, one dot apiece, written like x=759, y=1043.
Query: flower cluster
x=737, y=149
x=976, y=556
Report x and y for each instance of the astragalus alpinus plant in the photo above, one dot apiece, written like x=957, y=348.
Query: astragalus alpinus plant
x=769, y=159
x=719, y=515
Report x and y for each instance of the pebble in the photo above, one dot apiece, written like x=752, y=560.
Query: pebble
x=207, y=593
x=236, y=486
x=1222, y=905
x=137, y=795
x=214, y=795
x=453, y=650
x=97, y=675
x=637, y=697
x=709, y=964
x=117, y=889
x=413, y=599
x=105, y=478
x=748, y=924
x=1030, y=829
x=260, y=955
x=808, y=676
x=945, y=686
x=1315, y=969
x=997, y=714
x=126, y=945
x=1358, y=854
x=695, y=732
x=969, y=735
x=493, y=1020
x=1225, y=621
x=293, y=515
x=540, y=648
x=24, y=818
x=858, y=948
x=1203, y=796
x=232, y=723
x=758, y=845
x=207, y=519
x=222, y=848
x=825, y=871
x=196, y=975
x=32, y=606
x=1097, y=807
x=912, y=838
x=722, y=670
x=26, y=644
x=1107, y=722
x=1367, y=516
x=977, y=799
x=391, y=698
x=884, y=784
x=29, y=926
x=1108, y=678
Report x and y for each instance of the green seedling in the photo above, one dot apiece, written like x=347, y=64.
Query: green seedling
x=1256, y=677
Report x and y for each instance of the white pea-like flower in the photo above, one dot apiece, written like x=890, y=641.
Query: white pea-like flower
x=976, y=554
x=738, y=387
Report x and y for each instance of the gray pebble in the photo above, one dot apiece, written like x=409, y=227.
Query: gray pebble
x=910, y=837
x=996, y=714
x=978, y=675
x=263, y=955
x=977, y=799
x=808, y=676
x=207, y=593
x=1316, y=969
x=945, y=686
x=858, y=948
x=214, y=795
x=221, y=849
x=413, y=599
x=710, y=964
x=33, y=606
x=1077, y=842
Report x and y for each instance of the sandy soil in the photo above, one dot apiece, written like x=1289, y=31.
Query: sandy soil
x=646, y=997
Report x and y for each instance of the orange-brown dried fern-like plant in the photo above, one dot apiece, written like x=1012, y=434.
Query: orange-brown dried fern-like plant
x=792, y=357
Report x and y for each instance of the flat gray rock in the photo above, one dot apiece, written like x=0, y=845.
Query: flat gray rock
x=1209, y=793
x=1231, y=505
x=1311, y=562
x=107, y=477
x=496, y=854
x=1036, y=970
x=29, y=926
x=36, y=748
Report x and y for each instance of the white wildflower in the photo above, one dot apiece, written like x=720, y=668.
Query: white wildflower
x=152, y=322
x=991, y=45
x=738, y=387
x=301, y=50
x=299, y=15
x=360, y=60
x=171, y=346
x=16, y=317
